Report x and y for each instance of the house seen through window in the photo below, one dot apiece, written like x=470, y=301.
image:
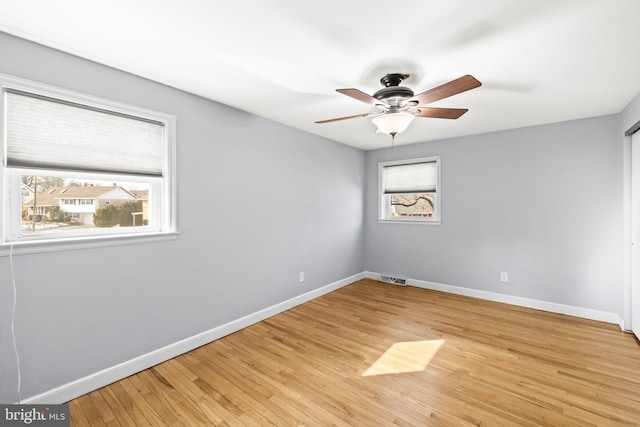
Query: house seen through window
x=70, y=204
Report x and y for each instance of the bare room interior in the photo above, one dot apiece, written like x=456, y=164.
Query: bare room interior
x=348, y=213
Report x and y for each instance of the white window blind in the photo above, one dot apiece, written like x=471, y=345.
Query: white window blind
x=410, y=178
x=51, y=134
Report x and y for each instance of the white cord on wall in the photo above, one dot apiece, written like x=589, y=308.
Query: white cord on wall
x=13, y=320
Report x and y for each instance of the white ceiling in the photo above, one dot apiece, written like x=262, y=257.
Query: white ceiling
x=540, y=61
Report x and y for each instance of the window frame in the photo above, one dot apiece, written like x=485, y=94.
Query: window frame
x=12, y=242
x=384, y=202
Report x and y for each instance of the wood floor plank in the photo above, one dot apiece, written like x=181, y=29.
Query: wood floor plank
x=138, y=407
x=118, y=410
x=384, y=355
x=76, y=413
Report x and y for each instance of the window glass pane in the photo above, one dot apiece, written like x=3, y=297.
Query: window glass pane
x=57, y=204
x=413, y=205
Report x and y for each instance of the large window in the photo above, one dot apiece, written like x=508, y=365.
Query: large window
x=82, y=169
x=409, y=190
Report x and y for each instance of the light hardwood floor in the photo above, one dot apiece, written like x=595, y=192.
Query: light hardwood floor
x=373, y=354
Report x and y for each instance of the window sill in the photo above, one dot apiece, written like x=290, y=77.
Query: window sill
x=408, y=221
x=75, y=243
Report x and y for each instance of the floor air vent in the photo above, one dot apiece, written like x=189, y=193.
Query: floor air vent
x=393, y=280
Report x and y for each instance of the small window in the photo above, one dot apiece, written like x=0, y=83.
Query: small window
x=67, y=157
x=409, y=190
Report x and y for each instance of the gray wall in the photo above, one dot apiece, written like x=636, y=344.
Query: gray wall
x=258, y=202
x=542, y=203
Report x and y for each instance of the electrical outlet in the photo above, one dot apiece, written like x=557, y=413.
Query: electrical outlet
x=301, y=276
x=504, y=277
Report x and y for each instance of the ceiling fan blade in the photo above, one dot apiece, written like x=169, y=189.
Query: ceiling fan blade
x=441, y=113
x=343, y=118
x=454, y=87
x=360, y=96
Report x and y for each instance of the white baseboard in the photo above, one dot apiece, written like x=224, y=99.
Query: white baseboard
x=107, y=376
x=585, y=313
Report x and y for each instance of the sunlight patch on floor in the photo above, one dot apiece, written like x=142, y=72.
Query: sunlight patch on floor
x=402, y=357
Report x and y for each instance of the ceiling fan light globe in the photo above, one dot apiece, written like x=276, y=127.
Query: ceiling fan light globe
x=393, y=122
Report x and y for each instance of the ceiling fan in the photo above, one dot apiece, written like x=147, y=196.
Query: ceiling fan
x=396, y=106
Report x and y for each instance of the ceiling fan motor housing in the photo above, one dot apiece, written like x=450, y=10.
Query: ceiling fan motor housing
x=393, y=94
